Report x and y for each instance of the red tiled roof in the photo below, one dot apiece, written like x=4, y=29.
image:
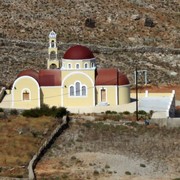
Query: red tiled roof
x=110, y=77
x=122, y=79
x=78, y=52
x=29, y=72
x=50, y=77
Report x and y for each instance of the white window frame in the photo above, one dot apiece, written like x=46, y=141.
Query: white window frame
x=69, y=66
x=86, y=64
x=71, y=93
x=78, y=66
x=80, y=92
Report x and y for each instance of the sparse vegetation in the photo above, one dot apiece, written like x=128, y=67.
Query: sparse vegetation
x=14, y=112
x=45, y=111
x=128, y=173
x=109, y=137
x=18, y=146
x=142, y=165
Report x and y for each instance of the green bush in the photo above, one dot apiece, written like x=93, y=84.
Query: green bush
x=113, y=112
x=142, y=165
x=142, y=112
x=108, y=112
x=32, y=113
x=128, y=173
x=45, y=111
x=14, y=112
x=126, y=112
x=60, y=112
x=1, y=110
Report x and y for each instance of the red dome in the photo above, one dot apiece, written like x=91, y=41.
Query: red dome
x=78, y=52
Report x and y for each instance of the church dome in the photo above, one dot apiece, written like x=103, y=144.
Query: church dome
x=78, y=52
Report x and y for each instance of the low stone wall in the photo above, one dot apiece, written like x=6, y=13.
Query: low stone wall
x=2, y=93
x=169, y=122
x=47, y=144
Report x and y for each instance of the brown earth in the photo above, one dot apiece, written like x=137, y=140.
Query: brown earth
x=108, y=151
x=20, y=139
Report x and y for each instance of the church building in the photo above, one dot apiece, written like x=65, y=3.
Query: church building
x=72, y=81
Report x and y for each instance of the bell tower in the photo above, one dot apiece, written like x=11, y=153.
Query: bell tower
x=53, y=62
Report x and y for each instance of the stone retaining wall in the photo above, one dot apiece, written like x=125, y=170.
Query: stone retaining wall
x=46, y=145
x=2, y=93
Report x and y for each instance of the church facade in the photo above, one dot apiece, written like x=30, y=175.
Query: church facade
x=73, y=81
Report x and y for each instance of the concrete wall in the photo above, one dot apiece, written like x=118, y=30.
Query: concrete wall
x=169, y=122
x=131, y=107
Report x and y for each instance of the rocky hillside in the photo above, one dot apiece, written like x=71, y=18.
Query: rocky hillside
x=120, y=32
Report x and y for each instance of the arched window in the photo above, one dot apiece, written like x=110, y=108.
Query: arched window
x=69, y=66
x=78, y=89
x=71, y=90
x=83, y=90
x=25, y=95
x=53, y=66
x=53, y=55
x=52, y=43
x=77, y=66
x=85, y=65
x=77, y=86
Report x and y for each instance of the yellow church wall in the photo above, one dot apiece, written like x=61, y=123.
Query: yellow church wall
x=90, y=73
x=70, y=80
x=51, y=96
x=72, y=64
x=50, y=62
x=124, y=94
x=29, y=85
x=52, y=50
x=110, y=95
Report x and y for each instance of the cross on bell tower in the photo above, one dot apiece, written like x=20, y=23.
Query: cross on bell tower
x=53, y=62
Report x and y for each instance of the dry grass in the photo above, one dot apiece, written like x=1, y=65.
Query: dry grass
x=20, y=138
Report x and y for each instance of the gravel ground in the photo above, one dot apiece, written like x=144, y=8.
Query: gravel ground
x=96, y=151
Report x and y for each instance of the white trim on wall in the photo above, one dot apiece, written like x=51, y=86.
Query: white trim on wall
x=73, y=73
x=74, y=85
x=25, y=77
x=117, y=96
x=70, y=74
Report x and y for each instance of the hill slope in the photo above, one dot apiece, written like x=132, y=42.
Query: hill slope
x=125, y=25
